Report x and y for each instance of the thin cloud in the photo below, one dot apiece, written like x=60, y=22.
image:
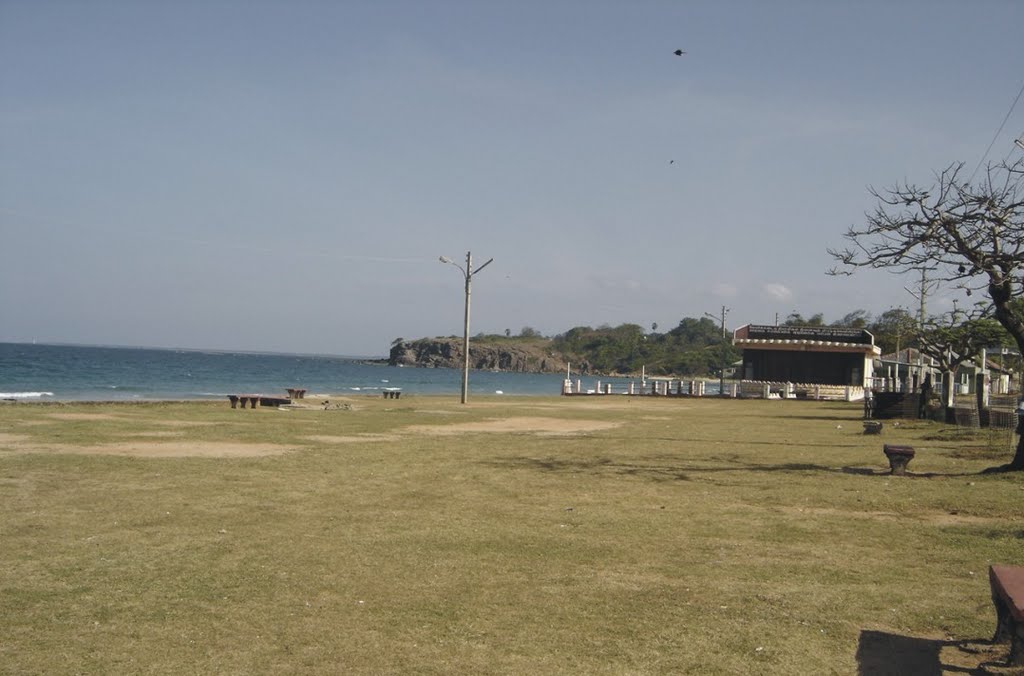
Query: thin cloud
x=724, y=290
x=777, y=291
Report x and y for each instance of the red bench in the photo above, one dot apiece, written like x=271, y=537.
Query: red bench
x=1008, y=597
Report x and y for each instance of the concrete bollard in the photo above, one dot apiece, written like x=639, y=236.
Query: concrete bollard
x=899, y=458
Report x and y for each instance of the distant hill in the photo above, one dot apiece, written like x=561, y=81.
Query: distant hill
x=694, y=348
x=492, y=353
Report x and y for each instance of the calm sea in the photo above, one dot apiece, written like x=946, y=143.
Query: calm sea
x=60, y=372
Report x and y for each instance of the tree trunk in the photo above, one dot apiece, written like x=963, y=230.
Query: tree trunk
x=1001, y=294
x=1017, y=464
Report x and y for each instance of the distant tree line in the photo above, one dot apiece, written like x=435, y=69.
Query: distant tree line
x=696, y=346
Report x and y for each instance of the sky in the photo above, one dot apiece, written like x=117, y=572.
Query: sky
x=278, y=175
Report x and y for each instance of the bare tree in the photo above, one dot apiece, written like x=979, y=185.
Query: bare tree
x=955, y=338
x=970, y=235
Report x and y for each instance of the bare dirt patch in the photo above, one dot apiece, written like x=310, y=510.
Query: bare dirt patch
x=351, y=438
x=602, y=403
x=182, y=423
x=12, y=439
x=155, y=434
x=531, y=425
x=76, y=417
x=162, y=449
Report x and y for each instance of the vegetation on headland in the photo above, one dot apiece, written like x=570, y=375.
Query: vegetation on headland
x=696, y=347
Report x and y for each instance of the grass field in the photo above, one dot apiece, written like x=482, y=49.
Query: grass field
x=601, y=535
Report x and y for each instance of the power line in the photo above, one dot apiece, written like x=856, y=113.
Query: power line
x=998, y=132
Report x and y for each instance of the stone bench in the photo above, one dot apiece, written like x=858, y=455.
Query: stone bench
x=899, y=457
x=1007, y=584
x=254, y=399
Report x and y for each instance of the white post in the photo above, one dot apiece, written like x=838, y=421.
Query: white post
x=986, y=378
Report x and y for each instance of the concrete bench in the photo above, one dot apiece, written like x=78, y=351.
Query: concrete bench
x=254, y=399
x=1007, y=584
x=899, y=458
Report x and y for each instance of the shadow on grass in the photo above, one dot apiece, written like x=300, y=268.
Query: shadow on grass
x=681, y=471
x=689, y=438
x=657, y=471
x=852, y=418
x=880, y=653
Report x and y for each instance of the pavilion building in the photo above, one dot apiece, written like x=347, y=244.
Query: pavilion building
x=821, y=362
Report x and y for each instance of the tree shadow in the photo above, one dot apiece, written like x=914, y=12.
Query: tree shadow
x=882, y=653
x=679, y=471
x=718, y=440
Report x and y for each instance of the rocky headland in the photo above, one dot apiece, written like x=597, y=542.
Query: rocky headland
x=533, y=356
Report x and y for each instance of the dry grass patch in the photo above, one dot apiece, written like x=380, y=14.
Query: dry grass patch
x=524, y=424
x=711, y=537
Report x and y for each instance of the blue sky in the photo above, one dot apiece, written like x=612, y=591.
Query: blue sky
x=274, y=175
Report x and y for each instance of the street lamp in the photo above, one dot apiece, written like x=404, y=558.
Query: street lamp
x=468, y=273
x=721, y=374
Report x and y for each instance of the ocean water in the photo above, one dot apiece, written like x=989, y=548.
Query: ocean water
x=77, y=373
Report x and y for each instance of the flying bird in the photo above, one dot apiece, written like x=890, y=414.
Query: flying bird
x=679, y=52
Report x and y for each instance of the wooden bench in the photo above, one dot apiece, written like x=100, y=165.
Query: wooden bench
x=872, y=427
x=899, y=458
x=1008, y=597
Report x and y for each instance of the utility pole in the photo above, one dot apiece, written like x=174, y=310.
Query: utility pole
x=468, y=273
x=921, y=294
x=721, y=374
